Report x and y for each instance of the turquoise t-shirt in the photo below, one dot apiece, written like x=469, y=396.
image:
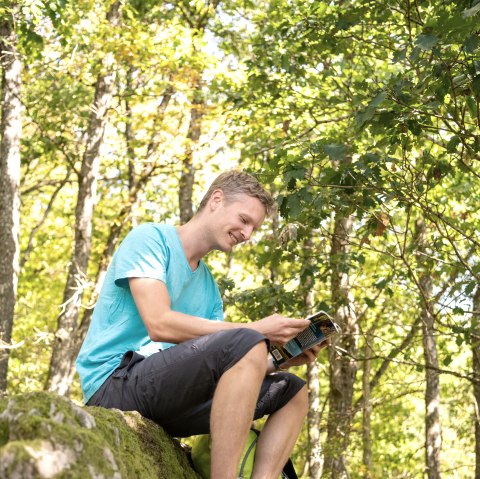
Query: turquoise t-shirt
x=148, y=251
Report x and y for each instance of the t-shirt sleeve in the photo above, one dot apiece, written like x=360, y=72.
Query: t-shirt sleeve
x=217, y=308
x=142, y=254
x=217, y=312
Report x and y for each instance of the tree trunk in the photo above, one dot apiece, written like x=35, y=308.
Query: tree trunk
x=476, y=375
x=433, y=439
x=187, y=178
x=137, y=181
x=367, y=411
x=343, y=368
x=11, y=132
x=315, y=452
x=61, y=361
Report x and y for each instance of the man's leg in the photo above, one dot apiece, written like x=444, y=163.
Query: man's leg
x=278, y=437
x=232, y=411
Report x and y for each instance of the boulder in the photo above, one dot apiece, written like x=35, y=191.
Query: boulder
x=44, y=435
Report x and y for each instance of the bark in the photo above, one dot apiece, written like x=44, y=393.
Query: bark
x=137, y=181
x=61, y=361
x=187, y=178
x=367, y=411
x=433, y=439
x=315, y=452
x=476, y=375
x=11, y=132
x=343, y=368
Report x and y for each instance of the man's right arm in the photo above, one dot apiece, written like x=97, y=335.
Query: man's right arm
x=153, y=302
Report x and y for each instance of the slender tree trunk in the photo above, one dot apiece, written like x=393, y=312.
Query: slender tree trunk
x=61, y=361
x=137, y=181
x=343, y=368
x=367, y=411
x=187, y=178
x=476, y=375
x=11, y=132
x=315, y=452
x=433, y=438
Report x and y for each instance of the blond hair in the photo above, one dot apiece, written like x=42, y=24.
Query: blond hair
x=234, y=183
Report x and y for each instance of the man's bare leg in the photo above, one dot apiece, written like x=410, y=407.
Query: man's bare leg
x=233, y=408
x=278, y=437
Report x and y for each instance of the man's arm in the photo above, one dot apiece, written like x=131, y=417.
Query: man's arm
x=153, y=302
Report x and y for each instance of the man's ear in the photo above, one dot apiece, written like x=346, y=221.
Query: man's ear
x=216, y=199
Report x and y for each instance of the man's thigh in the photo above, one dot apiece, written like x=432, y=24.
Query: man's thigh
x=170, y=383
x=276, y=391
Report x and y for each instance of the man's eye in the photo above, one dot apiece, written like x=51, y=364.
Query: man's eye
x=243, y=219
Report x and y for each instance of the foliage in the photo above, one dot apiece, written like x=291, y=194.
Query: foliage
x=369, y=109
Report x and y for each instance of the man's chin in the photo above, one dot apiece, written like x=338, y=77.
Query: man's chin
x=226, y=248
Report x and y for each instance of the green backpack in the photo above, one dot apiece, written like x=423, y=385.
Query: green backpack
x=201, y=456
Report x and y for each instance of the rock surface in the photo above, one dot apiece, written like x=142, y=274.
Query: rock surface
x=43, y=435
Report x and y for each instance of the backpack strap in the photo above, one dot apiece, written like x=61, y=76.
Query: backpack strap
x=250, y=450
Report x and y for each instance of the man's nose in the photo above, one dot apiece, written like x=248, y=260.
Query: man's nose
x=247, y=232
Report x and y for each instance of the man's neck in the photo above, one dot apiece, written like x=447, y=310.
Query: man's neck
x=194, y=242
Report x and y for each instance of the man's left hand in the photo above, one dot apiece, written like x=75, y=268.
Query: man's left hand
x=307, y=357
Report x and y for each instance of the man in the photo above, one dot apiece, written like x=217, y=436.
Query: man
x=208, y=375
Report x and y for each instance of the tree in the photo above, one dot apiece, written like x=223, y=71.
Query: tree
x=476, y=375
x=196, y=16
x=10, y=132
x=343, y=367
x=433, y=438
x=88, y=176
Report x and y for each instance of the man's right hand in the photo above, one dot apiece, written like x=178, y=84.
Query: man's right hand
x=279, y=329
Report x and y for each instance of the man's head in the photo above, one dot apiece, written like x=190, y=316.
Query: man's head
x=233, y=208
x=236, y=183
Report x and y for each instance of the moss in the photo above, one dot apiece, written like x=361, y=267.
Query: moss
x=36, y=428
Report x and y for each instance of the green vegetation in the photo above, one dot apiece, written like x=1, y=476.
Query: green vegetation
x=362, y=117
x=49, y=436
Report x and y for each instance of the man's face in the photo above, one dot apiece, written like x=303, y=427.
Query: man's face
x=236, y=219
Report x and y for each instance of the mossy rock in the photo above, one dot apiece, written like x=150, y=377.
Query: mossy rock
x=43, y=435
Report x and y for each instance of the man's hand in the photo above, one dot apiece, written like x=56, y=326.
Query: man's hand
x=307, y=357
x=279, y=329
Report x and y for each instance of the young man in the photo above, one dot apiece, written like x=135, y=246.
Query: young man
x=207, y=375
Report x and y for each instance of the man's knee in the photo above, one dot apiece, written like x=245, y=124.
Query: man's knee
x=255, y=358
x=234, y=345
x=300, y=400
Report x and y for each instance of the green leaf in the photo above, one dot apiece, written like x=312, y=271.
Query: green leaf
x=369, y=111
x=472, y=106
x=335, y=151
x=460, y=80
x=453, y=143
x=458, y=310
x=447, y=360
x=369, y=302
x=294, y=207
x=414, y=127
x=471, y=43
x=426, y=42
x=476, y=85
x=470, y=287
x=399, y=55
x=380, y=98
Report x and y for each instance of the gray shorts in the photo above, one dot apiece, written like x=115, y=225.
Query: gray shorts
x=175, y=387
